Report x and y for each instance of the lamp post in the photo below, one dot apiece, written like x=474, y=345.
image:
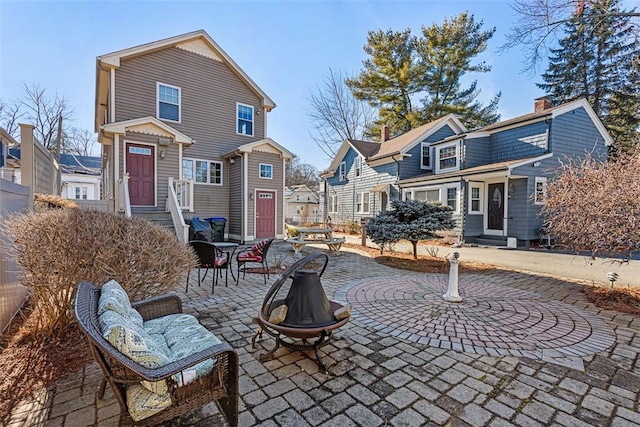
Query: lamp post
x=452, y=290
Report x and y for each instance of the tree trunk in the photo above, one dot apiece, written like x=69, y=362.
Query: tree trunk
x=415, y=249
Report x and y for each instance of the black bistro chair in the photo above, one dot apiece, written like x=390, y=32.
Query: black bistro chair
x=210, y=256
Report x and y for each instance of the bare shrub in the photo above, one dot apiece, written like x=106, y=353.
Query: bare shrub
x=593, y=206
x=432, y=250
x=58, y=248
x=352, y=227
x=48, y=201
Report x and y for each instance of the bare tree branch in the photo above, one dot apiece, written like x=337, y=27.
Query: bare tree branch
x=335, y=113
x=535, y=30
x=43, y=111
x=9, y=116
x=79, y=141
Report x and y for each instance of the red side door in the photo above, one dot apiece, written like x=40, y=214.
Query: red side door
x=141, y=168
x=265, y=214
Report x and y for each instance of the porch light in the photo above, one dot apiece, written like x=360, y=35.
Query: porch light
x=162, y=154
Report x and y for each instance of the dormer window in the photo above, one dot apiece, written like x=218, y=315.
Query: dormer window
x=168, y=107
x=447, y=157
x=245, y=119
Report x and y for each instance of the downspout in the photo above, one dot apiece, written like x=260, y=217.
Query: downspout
x=463, y=207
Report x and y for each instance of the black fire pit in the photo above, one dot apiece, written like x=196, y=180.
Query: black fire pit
x=310, y=319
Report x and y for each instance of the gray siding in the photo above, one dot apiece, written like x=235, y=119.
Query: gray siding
x=347, y=190
x=276, y=184
x=520, y=142
x=234, y=220
x=209, y=93
x=574, y=134
x=477, y=151
x=474, y=225
x=411, y=166
x=521, y=218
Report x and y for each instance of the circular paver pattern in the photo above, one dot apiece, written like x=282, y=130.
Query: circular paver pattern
x=491, y=319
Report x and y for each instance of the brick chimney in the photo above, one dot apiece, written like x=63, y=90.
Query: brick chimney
x=541, y=104
x=384, y=133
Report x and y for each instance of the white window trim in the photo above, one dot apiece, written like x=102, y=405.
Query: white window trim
x=457, y=157
x=361, y=209
x=158, y=84
x=333, y=203
x=422, y=147
x=543, y=180
x=443, y=194
x=208, y=171
x=357, y=162
x=480, y=186
x=253, y=120
x=260, y=170
x=342, y=171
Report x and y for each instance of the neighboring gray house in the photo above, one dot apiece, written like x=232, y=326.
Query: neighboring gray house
x=183, y=129
x=301, y=205
x=493, y=177
x=364, y=176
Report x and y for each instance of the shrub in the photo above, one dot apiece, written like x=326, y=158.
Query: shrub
x=59, y=248
x=352, y=227
x=410, y=220
x=594, y=206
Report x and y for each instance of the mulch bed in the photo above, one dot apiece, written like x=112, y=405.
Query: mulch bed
x=616, y=299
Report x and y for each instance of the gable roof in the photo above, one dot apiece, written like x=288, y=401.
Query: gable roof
x=552, y=112
x=157, y=128
x=269, y=145
x=208, y=47
x=403, y=143
x=398, y=145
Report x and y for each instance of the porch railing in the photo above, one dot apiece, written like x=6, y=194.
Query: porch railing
x=183, y=189
x=174, y=207
x=124, y=202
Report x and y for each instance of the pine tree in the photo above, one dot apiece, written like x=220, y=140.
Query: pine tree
x=446, y=51
x=390, y=78
x=403, y=69
x=597, y=60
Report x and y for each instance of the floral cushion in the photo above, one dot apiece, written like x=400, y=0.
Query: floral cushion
x=113, y=297
x=221, y=261
x=142, y=403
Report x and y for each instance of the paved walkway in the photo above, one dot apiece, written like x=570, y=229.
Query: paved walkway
x=538, y=261
x=380, y=373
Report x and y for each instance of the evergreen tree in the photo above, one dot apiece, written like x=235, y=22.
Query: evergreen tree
x=403, y=69
x=391, y=76
x=447, y=51
x=598, y=60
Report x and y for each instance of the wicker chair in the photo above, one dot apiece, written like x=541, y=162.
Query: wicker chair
x=255, y=254
x=221, y=384
x=210, y=256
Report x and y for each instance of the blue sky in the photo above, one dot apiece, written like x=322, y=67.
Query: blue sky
x=287, y=47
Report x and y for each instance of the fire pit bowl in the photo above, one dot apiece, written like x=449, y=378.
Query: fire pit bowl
x=309, y=320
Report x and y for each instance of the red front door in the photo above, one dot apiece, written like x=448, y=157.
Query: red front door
x=141, y=166
x=265, y=214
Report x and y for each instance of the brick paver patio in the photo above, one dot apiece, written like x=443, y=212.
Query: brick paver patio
x=409, y=359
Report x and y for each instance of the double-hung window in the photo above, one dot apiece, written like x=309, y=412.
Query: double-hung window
x=452, y=198
x=475, y=199
x=362, y=202
x=81, y=193
x=358, y=165
x=202, y=171
x=540, y=195
x=342, y=171
x=425, y=157
x=245, y=119
x=266, y=172
x=448, y=157
x=333, y=203
x=168, y=102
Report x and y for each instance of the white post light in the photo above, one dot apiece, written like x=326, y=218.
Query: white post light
x=452, y=290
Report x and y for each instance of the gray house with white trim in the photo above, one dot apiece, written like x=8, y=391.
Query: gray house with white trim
x=494, y=177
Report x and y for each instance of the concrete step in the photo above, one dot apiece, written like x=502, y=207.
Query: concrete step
x=486, y=240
